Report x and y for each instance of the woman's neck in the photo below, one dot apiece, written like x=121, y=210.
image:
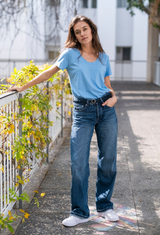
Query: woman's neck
x=88, y=49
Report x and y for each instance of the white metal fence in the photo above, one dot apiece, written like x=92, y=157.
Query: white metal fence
x=7, y=66
x=9, y=172
x=131, y=70
x=157, y=73
x=9, y=104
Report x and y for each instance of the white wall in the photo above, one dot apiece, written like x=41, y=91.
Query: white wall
x=106, y=22
x=140, y=46
x=124, y=28
x=24, y=46
x=10, y=48
x=36, y=48
x=140, y=36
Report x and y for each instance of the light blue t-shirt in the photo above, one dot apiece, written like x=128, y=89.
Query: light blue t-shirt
x=86, y=78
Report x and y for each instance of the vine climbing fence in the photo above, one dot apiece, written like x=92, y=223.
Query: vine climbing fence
x=14, y=120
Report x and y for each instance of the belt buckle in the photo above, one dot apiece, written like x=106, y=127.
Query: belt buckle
x=93, y=101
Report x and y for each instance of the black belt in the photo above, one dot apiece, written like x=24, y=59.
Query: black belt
x=102, y=99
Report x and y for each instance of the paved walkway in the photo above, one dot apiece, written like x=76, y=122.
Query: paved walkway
x=137, y=189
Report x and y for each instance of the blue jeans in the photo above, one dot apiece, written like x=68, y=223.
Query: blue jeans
x=88, y=115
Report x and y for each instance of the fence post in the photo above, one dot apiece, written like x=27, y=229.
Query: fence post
x=62, y=105
x=20, y=135
x=47, y=158
x=122, y=69
x=14, y=64
x=158, y=64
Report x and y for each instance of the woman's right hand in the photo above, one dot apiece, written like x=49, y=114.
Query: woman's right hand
x=15, y=88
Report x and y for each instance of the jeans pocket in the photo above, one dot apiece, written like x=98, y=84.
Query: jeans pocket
x=108, y=106
x=80, y=107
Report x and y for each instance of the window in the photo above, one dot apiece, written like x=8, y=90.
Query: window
x=126, y=53
x=94, y=4
x=85, y=3
x=52, y=54
x=53, y=3
x=123, y=53
x=122, y=3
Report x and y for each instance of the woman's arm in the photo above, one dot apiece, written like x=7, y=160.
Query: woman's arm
x=111, y=101
x=40, y=78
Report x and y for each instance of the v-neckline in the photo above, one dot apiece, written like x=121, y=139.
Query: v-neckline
x=87, y=60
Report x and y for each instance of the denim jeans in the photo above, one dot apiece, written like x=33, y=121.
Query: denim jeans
x=86, y=117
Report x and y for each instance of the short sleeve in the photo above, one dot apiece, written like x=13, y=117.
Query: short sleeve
x=108, y=68
x=63, y=60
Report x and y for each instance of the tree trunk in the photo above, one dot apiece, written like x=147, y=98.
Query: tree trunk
x=153, y=51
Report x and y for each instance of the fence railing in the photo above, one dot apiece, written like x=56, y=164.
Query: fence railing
x=157, y=73
x=10, y=104
x=132, y=70
x=7, y=66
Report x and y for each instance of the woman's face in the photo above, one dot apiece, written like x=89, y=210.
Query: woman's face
x=82, y=32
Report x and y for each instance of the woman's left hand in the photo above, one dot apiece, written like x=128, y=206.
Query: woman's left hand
x=110, y=102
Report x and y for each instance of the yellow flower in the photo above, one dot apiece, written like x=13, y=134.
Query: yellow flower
x=1, y=169
x=42, y=194
x=9, y=213
x=22, y=211
x=26, y=215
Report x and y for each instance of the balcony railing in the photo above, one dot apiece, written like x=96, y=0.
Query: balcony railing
x=7, y=66
x=131, y=70
x=10, y=104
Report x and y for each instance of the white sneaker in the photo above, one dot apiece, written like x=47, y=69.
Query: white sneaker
x=74, y=220
x=109, y=215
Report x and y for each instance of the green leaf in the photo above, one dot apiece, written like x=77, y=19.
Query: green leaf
x=36, y=201
x=10, y=221
x=10, y=228
x=24, y=197
x=1, y=222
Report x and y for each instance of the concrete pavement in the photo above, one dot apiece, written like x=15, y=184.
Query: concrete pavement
x=136, y=195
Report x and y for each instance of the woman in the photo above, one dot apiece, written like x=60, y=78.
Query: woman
x=89, y=69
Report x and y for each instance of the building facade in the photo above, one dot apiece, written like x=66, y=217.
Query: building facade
x=124, y=38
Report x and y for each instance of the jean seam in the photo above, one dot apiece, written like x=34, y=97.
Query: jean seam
x=73, y=213
x=105, y=209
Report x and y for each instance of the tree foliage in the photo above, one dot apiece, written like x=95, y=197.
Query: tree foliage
x=150, y=7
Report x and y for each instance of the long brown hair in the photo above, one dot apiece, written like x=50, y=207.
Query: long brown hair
x=72, y=42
